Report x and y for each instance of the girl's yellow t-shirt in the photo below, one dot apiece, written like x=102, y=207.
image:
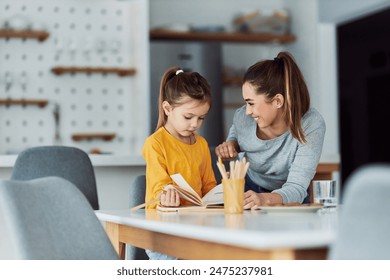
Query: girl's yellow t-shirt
x=165, y=155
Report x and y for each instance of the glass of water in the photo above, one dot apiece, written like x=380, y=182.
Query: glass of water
x=325, y=192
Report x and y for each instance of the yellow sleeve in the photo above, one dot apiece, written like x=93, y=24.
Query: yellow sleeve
x=208, y=178
x=157, y=176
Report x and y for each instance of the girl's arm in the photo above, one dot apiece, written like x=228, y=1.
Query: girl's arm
x=208, y=176
x=156, y=173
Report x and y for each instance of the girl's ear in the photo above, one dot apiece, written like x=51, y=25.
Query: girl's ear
x=278, y=100
x=166, y=107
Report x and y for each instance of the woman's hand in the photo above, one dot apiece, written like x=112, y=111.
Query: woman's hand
x=227, y=150
x=170, y=198
x=252, y=200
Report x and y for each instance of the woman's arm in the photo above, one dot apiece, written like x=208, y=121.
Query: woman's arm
x=252, y=199
x=307, y=156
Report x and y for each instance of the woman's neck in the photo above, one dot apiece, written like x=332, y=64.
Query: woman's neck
x=271, y=132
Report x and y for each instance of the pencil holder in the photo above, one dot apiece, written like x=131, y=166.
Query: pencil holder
x=233, y=195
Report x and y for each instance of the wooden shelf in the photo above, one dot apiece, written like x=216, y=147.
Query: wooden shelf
x=233, y=37
x=61, y=70
x=91, y=136
x=24, y=34
x=24, y=102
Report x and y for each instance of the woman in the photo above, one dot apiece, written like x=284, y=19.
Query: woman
x=278, y=132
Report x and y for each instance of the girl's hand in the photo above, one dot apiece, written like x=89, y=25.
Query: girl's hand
x=227, y=150
x=169, y=198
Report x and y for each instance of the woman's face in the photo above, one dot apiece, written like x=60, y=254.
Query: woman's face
x=265, y=112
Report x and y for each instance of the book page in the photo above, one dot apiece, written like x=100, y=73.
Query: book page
x=185, y=194
x=190, y=209
x=214, y=196
x=182, y=183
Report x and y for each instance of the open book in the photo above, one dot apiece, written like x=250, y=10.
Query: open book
x=213, y=199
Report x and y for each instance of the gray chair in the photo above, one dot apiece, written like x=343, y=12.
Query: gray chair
x=137, y=197
x=70, y=163
x=50, y=219
x=364, y=223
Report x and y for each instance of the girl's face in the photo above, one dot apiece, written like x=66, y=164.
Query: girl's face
x=184, y=119
x=266, y=113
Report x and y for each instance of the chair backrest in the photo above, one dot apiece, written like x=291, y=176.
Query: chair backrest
x=50, y=219
x=137, y=196
x=70, y=163
x=137, y=190
x=364, y=223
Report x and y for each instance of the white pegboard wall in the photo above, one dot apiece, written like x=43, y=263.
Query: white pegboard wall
x=95, y=33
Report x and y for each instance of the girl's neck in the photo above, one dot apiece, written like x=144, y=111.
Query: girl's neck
x=185, y=139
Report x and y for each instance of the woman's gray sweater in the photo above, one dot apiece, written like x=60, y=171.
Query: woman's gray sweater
x=281, y=165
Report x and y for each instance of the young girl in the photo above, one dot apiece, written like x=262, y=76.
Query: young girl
x=280, y=134
x=175, y=147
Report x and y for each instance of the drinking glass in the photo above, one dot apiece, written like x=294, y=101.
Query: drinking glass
x=325, y=192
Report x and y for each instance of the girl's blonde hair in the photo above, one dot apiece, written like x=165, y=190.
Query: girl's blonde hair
x=176, y=84
x=282, y=75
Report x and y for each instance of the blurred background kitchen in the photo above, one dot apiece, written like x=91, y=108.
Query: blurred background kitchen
x=86, y=73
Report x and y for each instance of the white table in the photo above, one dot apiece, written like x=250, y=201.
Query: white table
x=214, y=235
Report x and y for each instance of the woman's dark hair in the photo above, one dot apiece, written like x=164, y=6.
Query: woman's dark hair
x=282, y=75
